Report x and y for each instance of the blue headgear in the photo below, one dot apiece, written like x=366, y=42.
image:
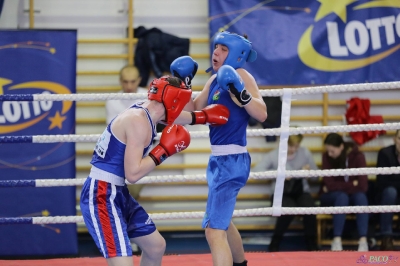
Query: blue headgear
x=240, y=49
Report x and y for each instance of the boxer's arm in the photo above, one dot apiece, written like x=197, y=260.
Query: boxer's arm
x=214, y=114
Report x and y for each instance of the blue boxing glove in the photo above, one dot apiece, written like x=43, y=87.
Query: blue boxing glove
x=229, y=79
x=185, y=68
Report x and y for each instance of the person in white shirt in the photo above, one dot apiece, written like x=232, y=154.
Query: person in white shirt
x=129, y=79
x=296, y=191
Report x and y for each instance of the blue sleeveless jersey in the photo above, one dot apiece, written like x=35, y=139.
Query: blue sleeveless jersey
x=233, y=132
x=109, y=152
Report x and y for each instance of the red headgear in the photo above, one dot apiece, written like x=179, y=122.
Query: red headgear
x=173, y=98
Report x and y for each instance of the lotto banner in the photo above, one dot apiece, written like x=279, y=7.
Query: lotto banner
x=32, y=62
x=315, y=42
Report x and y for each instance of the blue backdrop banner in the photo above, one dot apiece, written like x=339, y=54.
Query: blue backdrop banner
x=37, y=61
x=315, y=42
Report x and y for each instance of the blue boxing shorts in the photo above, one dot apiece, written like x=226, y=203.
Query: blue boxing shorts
x=226, y=175
x=112, y=216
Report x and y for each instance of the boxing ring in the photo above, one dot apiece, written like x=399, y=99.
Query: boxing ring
x=281, y=258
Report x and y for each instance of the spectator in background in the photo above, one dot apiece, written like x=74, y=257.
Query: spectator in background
x=129, y=79
x=388, y=187
x=296, y=191
x=342, y=191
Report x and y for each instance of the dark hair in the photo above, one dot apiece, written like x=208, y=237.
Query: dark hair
x=334, y=139
x=174, y=81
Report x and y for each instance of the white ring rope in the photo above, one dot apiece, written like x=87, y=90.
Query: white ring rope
x=238, y=213
x=250, y=132
x=273, y=93
x=253, y=175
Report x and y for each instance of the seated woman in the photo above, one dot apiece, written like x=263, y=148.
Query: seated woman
x=296, y=191
x=344, y=190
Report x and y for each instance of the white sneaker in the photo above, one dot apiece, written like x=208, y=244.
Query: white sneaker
x=336, y=245
x=362, y=246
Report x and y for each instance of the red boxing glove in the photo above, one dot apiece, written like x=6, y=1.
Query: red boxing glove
x=174, y=138
x=214, y=115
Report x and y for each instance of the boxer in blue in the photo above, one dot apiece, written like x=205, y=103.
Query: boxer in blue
x=113, y=217
x=229, y=164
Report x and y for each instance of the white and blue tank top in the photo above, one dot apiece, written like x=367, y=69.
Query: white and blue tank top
x=109, y=152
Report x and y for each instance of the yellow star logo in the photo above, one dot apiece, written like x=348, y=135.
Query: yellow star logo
x=56, y=120
x=333, y=6
x=3, y=82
